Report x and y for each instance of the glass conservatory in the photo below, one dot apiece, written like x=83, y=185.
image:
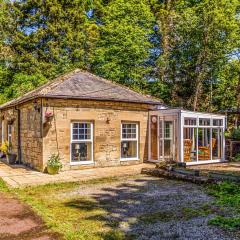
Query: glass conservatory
x=184, y=136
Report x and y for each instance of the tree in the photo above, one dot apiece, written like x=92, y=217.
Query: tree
x=196, y=38
x=124, y=47
x=52, y=36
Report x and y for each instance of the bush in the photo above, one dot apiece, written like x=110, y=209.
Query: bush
x=237, y=157
x=236, y=133
x=5, y=147
x=54, y=161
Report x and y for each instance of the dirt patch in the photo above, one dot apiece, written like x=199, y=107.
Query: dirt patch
x=18, y=221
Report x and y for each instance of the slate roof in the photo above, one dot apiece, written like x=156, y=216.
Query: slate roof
x=80, y=84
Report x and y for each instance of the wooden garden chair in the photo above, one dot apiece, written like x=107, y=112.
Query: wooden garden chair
x=204, y=152
x=187, y=150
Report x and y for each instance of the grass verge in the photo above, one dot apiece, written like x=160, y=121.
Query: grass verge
x=3, y=186
x=228, y=196
x=75, y=217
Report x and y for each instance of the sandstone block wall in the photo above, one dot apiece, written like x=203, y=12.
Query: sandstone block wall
x=106, y=136
x=39, y=140
x=30, y=131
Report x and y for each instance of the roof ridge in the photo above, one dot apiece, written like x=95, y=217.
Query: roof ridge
x=119, y=85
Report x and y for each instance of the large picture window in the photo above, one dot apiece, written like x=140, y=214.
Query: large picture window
x=82, y=142
x=129, y=141
x=203, y=139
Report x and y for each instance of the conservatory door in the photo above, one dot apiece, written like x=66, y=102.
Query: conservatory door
x=166, y=139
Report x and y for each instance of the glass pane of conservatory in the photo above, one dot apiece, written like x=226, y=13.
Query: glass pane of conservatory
x=189, y=144
x=190, y=121
x=204, y=121
x=217, y=143
x=217, y=122
x=204, y=146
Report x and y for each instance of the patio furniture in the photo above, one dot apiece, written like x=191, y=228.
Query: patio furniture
x=204, y=152
x=187, y=150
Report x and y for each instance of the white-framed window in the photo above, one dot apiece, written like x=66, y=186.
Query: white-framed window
x=81, y=142
x=10, y=134
x=129, y=141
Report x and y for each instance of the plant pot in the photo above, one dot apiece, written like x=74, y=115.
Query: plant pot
x=53, y=170
x=11, y=158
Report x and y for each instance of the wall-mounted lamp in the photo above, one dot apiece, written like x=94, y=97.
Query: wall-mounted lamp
x=36, y=106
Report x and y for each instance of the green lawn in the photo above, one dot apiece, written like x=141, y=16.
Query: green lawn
x=228, y=197
x=75, y=218
x=78, y=217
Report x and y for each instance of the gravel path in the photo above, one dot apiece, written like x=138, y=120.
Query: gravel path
x=149, y=208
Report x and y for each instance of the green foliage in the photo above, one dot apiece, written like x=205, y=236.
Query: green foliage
x=237, y=157
x=3, y=186
x=5, y=147
x=54, y=161
x=124, y=45
x=228, y=195
x=236, y=133
x=23, y=83
x=185, y=52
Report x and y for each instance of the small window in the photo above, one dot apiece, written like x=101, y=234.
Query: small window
x=10, y=134
x=204, y=121
x=190, y=121
x=217, y=122
x=82, y=142
x=129, y=141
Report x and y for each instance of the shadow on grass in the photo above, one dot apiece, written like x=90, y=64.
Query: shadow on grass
x=132, y=209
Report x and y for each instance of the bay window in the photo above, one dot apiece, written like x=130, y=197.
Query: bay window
x=129, y=141
x=81, y=142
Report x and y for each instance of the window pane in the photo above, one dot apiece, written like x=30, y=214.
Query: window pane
x=204, y=146
x=81, y=131
x=217, y=122
x=129, y=131
x=217, y=135
x=189, y=144
x=81, y=152
x=204, y=121
x=168, y=129
x=190, y=121
x=129, y=149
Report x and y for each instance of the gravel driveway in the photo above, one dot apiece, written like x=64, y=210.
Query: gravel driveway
x=150, y=208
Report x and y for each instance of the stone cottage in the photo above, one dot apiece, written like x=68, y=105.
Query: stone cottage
x=89, y=121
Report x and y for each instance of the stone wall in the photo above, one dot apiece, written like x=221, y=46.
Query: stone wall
x=31, y=137
x=106, y=135
x=31, y=140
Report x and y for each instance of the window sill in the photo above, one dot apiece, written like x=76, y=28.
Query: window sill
x=81, y=163
x=129, y=159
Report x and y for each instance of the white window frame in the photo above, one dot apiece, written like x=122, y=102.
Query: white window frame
x=129, y=140
x=211, y=127
x=9, y=135
x=82, y=141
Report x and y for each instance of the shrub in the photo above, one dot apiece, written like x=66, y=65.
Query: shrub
x=236, y=133
x=237, y=157
x=54, y=161
x=5, y=147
